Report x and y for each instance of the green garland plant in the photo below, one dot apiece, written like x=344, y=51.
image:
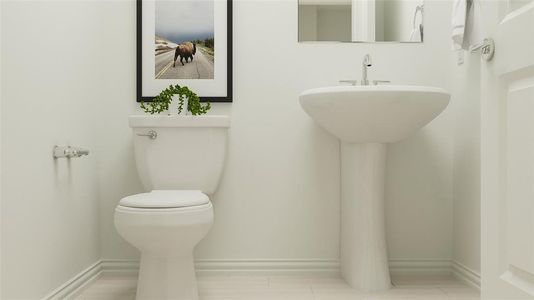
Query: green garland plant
x=162, y=102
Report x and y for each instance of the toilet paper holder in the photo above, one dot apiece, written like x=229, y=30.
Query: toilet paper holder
x=69, y=152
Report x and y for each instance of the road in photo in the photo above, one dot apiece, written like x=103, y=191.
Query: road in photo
x=200, y=68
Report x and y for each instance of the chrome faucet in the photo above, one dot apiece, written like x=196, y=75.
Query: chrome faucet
x=365, y=64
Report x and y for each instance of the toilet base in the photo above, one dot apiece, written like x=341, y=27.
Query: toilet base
x=166, y=238
x=166, y=278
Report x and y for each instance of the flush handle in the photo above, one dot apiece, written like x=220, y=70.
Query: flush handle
x=151, y=134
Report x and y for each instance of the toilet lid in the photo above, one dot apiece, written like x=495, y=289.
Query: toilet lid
x=165, y=199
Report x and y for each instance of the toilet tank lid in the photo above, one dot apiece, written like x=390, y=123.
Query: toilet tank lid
x=165, y=199
x=143, y=121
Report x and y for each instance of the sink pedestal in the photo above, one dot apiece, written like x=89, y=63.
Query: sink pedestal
x=364, y=261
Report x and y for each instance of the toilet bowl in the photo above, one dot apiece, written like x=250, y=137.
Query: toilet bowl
x=180, y=160
x=165, y=226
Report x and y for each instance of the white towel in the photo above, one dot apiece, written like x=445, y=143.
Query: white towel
x=473, y=27
x=459, y=18
x=466, y=24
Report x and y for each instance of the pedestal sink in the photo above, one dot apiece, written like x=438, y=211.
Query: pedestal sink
x=365, y=119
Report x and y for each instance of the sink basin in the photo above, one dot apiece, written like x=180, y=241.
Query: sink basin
x=365, y=119
x=379, y=114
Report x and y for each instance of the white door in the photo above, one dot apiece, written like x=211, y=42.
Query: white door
x=507, y=132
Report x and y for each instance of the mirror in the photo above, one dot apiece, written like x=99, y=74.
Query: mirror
x=361, y=20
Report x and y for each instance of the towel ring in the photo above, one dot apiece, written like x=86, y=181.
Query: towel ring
x=487, y=49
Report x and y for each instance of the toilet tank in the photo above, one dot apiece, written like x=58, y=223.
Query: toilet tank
x=180, y=152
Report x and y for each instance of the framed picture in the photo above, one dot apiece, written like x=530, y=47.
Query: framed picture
x=185, y=42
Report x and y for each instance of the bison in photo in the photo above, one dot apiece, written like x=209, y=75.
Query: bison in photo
x=185, y=50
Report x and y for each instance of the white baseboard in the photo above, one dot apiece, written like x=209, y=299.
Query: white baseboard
x=72, y=287
x=287, y=267
x=420, y=267
x=466, y=274
x=264, y=267
x=120, y=266
x=268, y=267
x=210, y=267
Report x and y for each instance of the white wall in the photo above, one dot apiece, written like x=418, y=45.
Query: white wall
x=50, y=76
x=466, y=107
x=279, y=195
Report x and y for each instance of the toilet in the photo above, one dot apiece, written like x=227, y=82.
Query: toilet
x=179, y=160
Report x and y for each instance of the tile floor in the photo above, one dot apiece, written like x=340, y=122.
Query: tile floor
x=115, y=287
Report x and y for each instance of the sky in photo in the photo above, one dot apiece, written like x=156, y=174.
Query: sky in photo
x=184, y=20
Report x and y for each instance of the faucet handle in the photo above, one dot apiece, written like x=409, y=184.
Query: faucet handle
x=352, y=82
x=377, y=82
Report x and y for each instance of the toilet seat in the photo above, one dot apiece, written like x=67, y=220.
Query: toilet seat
x=161, y=199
